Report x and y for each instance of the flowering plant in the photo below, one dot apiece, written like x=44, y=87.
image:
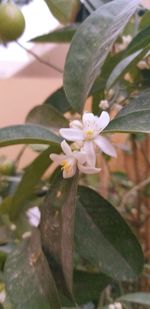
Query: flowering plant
x=79, y=247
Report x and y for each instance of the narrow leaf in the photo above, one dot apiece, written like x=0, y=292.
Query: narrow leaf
x=62, y=35
x=134, y=117
x=141, y=40
x=90, y=47
x=29, y=282
x=123, y=67
x=27, y=134
x=104, y=239
x=57, y=229
x=140, y=298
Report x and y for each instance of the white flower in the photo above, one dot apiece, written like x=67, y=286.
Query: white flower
x=71, y=160
x=104, y=104
x=89, y=131
x=34, y=216
x=115, y=306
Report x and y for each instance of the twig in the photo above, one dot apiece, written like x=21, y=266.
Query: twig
x=39, y=59
x=137, y=187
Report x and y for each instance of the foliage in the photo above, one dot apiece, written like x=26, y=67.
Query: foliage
x=81, y=248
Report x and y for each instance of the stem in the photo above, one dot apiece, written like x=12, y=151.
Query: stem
x=39, y=59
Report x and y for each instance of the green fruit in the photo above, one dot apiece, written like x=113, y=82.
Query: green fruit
x=7, y=167
x=12, y=22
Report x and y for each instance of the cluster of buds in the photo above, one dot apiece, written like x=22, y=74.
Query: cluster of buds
x=118, y=47
x=144, y=64
x=86, y=138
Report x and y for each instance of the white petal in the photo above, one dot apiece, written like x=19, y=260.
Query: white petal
x=57, y=157
x=76, y=124
x=88, y=120
x=104, y=144
x=102, y=121
x=88, y=169
x=72, y=134
x=71, y=172
x=66, y=148
x=81, y=156
x=89, y=148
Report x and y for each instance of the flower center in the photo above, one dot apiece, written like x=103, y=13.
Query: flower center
x=65, y=166
x=89, y=134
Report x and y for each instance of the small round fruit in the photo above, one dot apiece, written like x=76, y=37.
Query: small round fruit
x=12, y=22
x=7, y=167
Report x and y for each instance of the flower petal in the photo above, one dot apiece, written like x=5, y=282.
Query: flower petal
x=57, y=158
x=76, y=124
x=72, y=134
x=81, y=156
x=89, y=148
x=104, y=144
x=66, y=148
x=71, y=172
x=88, y=169
x=88, y=120
x=102, y=121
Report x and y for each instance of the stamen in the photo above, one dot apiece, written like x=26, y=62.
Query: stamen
x=65, y=166
x=89, y=134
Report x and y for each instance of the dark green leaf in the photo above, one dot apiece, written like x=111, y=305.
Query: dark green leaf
x=87, y=287
x=124, y=66
x=29, y=281
x=27, y=134
x=134, y=117
x=47, y=115
x=57, y=229
x=145, y=21
x=64, y=10
x=138, y=298
x=62, y=35
x=90, y=47
x=59, y=101
x=29, y=180
x=104, y=239
x=141, y=40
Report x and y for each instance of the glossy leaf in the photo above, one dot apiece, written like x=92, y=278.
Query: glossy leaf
x=62, y=35
x=29, y=282
x=124, y=66
x=57, y=229
x=141, y=40
x=140, y=298
x=47, y=115
x=27, y=134
x=59, y=101
x=90, y=47
x=87, y=287
x=134, y=117
x=104, y=239
x=64, y=10
x=29, y=180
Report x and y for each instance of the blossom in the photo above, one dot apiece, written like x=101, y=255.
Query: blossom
x=71, y=160
x=115, y=306
x=88, y=131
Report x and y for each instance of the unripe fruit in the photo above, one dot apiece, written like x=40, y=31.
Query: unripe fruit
x=7, y=167
x=12, y=22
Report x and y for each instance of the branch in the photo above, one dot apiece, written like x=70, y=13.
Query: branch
x=39, y=59
x=138, y=187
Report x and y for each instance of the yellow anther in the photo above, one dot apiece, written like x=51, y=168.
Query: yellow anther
x=65, y=166
x=89, y=134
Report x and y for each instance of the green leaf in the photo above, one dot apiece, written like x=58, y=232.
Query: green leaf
x=59, y=101
x=62, y=35
x=145, y=21
x=90, y=47
x=134, y=117
x=29, y=180
x=104, y=239
x=141, y=40
x=64, y=10
x=47, y=115
x=124, y=66
x=27, y=134
x=29, y=282
x=57, y=229
x=140, y=298
x=87, y=287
